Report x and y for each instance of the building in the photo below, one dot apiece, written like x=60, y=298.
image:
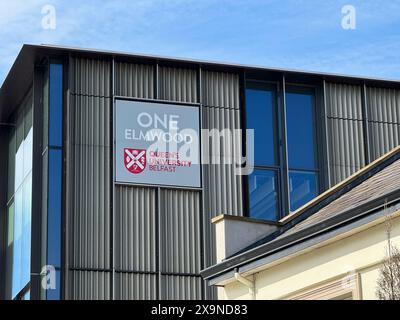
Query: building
x=331, y=248
x=108, y=228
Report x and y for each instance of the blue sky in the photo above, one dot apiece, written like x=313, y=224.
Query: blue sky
x=289, y=34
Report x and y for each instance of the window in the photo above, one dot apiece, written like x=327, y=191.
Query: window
x=263, y=194
x=261, y=116
x=19, y=202
x=334, y=290
x=52, y=160
x=300, y=124
x=271, y=177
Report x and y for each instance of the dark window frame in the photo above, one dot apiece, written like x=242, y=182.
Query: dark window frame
x=282, y=166
x=278, y=167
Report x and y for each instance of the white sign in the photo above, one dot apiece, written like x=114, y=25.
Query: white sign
x=157, y=143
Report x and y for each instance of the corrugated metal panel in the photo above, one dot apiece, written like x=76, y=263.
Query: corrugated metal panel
x=90, y=218
x=345, y=130
x=91, y=120
x=344, y=101
x=90, y=77
x=177, y=84
x=223, y=189
x=384, y=137
x=90, y=182
x=346, y=144
x=221, y=89
x=89, y=285
x=130, y=286
x=383, y=105
x=134, y=80
x=181, y=288
x=181, y=231
x=135, y=229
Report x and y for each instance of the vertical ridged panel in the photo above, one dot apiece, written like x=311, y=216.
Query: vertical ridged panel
x=177, y=84
x=90, y=77
x=344, y=101
x=88, y=179
x=346, y=145
x=223, y=188
x=181, y=231
x=383, y=105
x=135, y=229
x=134, y=80
x=384, y=137
x=221, y=90
x=89, y=285
x=384, y=120
x=130, y=286
x=345, y=130
x=90, y=185
x=181, y=288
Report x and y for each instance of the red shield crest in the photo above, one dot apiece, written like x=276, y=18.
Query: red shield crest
x=135, y=160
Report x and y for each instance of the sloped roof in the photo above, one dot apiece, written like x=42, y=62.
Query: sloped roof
x=378, y=185
x=372, y=188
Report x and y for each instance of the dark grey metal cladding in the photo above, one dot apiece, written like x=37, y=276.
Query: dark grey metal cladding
x=134, y=80
x=223, y=189
x=182, y=217
x=383, y=120
x=136, y=286
x=90, y=77
x=177, y=84
x=89, y=285
x=88, y=179
x=345, y=130
x=135, y=229
x=181, y=237
x=181, y=287
x=90, y=225
x=221, y=89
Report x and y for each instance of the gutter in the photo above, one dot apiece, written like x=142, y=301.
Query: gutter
x=284, y=244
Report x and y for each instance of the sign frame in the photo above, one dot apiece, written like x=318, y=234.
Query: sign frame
x=198, y=106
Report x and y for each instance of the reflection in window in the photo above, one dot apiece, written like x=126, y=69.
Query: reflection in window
x=52, y=174
x=263, y=195
x=261, y=116
x=302, y=188
x=276, y=188
x=301, y=138
x=19, y=203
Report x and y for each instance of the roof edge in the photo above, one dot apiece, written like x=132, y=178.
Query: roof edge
x=339, y=186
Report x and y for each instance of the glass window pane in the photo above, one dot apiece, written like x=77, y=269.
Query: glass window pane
x=26, y=230
x=300, y=130
x=28, y=141
x=55, y=294
x=17, y=285
x=56, y=103
x=263, y=195
x=10, y=250
x=11, y=165
x=54, y=208
x=260, y=116
x=19, y=156
x=46, y=110
x=28, y=144
x=303, y=187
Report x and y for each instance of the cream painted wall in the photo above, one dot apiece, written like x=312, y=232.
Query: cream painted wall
x=359, y=253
